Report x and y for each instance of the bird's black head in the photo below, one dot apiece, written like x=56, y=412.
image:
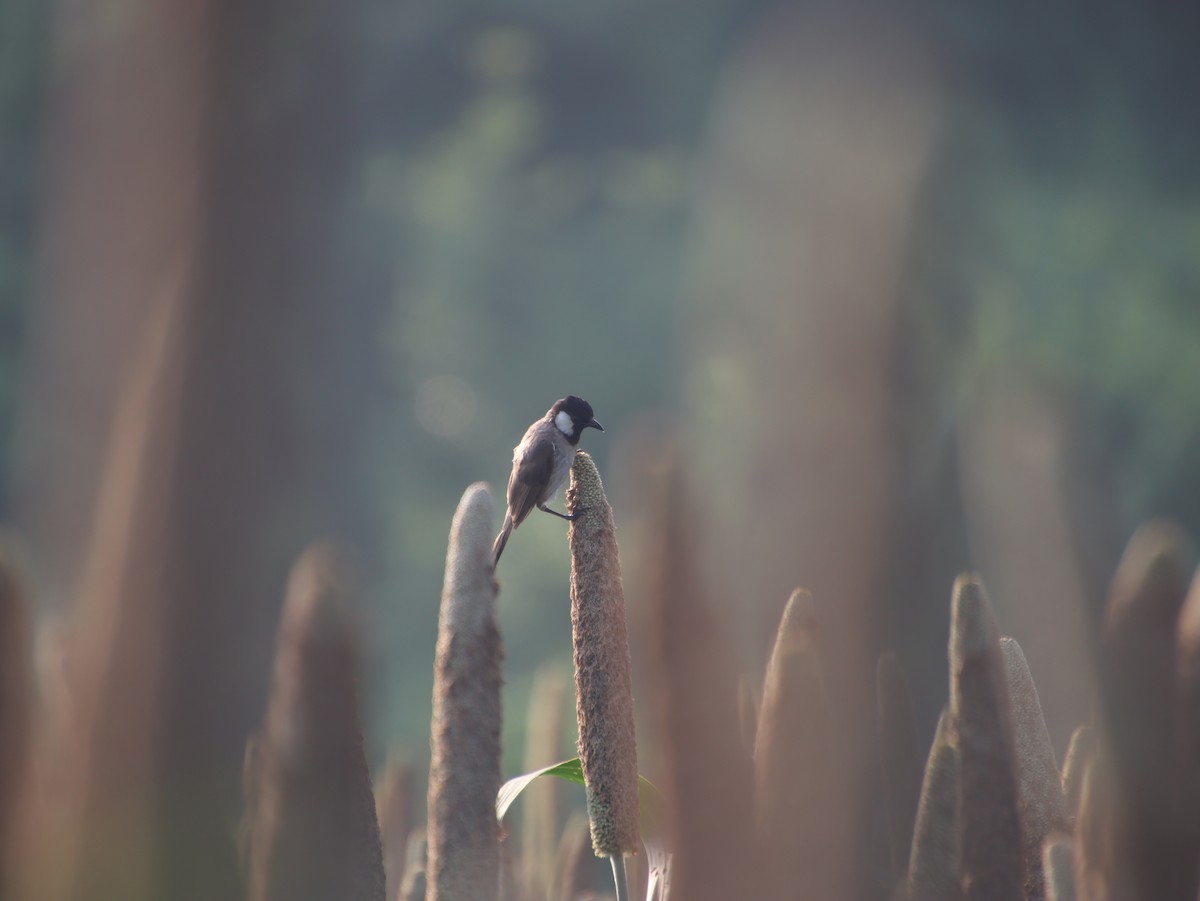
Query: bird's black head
x=571, y=416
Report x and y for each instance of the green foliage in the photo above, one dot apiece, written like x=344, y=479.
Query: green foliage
x=1083, y=276
x=650, y=799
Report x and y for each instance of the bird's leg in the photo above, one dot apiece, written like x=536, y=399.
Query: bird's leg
x=567, y=516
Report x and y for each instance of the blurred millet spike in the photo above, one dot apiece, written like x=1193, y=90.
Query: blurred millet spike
x=992, y=852
x=394, y=810
x=934, y=872
x=603, y=685
x=412, y=876
x=711, y=820
x=1058, y=863
x=1099, y=872
x=464, y=771
x=544, y=740
x=748, y=699
x=1043, y=810
x=573, y=864
x=314, y=833
x=414, y=886
x=1140, y=695
x=802, y=816
x=1079, y=751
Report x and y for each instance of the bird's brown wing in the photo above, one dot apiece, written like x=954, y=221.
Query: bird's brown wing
x=529, y=479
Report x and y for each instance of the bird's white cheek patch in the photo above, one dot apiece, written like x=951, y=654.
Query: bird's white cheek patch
x=564, y=423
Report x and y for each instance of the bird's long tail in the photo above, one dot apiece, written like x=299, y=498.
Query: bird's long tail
x=502, y=539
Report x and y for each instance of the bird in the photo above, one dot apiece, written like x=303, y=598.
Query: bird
x=541, y=463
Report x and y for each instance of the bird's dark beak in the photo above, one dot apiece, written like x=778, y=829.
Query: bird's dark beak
x=594, y=425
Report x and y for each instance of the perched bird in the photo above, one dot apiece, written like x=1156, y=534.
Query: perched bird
x=541, y=463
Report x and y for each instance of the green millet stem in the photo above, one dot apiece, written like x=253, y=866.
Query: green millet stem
x=603, y=686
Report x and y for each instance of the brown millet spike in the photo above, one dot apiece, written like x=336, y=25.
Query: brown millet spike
x=464, y=772
x=1043, y=810
x=394, y=810
x=603, y=685
x=1139, y=687
x=934, y=871
x=1079, y=751
x=313, y=828
x=802, y=822
x=993, y=867
x=710, y=819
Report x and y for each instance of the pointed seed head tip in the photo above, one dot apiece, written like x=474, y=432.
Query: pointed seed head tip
x=1153, y=570
x=477, y=500
x=586, y=488
x=469, y=578
x=1014, y=657
x=799, y=620
x=968, y=583
x=972, y=624
x=320, y=588
x=471, y=531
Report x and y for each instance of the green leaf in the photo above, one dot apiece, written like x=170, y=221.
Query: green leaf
x=649, y=798
x=571, y=770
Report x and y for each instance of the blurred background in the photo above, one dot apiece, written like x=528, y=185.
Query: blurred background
x=914, y=291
